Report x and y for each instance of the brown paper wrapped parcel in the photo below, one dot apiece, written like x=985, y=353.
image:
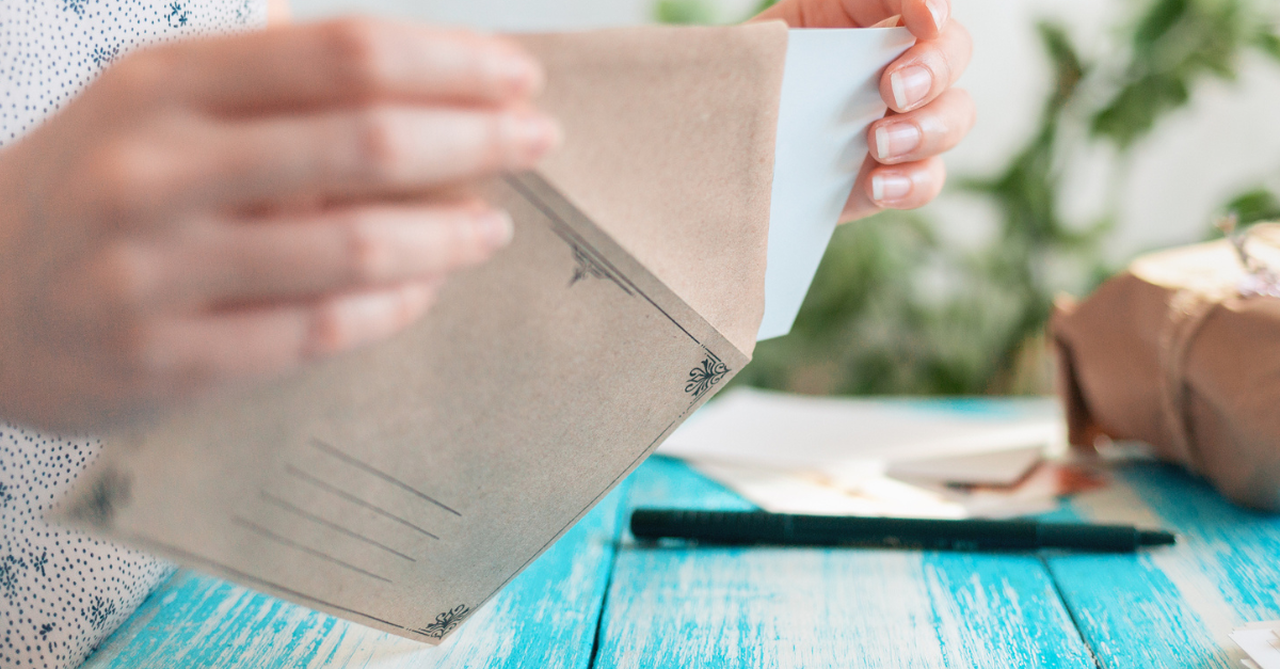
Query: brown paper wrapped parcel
x=1182, y=351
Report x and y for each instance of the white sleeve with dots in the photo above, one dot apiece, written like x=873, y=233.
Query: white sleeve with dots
x=62, y=592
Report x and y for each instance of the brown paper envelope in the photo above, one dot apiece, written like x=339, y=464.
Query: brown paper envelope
x=403, y=485
x=669, y=139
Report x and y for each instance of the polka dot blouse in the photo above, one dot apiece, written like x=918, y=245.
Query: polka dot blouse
x=62, y=592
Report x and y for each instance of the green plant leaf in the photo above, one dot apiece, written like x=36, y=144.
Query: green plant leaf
x=1134, y=110
x=1255, y=205
x=1068, y=68
x=1157, y=23
x=1268, y=42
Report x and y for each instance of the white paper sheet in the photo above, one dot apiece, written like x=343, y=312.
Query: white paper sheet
x=1003, y=467
x=787, y=491
x=830, y=96
x=838, y=435
x=797, y=454
x=1260, y=642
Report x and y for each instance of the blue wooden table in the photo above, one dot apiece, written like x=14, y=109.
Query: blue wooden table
x=597, y=599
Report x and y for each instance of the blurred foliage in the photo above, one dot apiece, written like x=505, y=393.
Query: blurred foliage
x=684, y=12
x=700, y=12
x=896, y=310
x=1173, y=44
x=891, y=313
x=1255, y=205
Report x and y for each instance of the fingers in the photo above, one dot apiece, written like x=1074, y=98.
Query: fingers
x=198, y=352
x=925, y=132
x=927, y=69
x=903, y=186
x=355, y=249
x=347, y=61
x=926, y=19
x=924, y=71
x=383, y=150
x=902, y=170
x=380, y=151
x=346, y=108
x=820, y=14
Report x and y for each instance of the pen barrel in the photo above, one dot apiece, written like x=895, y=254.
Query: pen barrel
x=1104, y=538
x=758, y=527
x=723, y=527
x=962, y=535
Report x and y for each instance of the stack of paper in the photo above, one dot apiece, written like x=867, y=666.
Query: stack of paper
x=1261, y=642
x=927, y=459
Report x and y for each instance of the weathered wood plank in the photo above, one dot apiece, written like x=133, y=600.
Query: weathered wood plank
x=547, y=617
x=1172, y=607
x=672, y=606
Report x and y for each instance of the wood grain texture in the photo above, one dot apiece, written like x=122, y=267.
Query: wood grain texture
x=672, y=606
x=546, y=617
x=1172, y=607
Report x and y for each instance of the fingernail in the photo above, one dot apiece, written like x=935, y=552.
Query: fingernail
x=520, y=75
x=896, y=140
x=889, y=187
x=939, y=9
x=910, y=86
x=535, y=134
x=496, y=228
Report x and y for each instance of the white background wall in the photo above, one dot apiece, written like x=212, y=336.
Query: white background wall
x=1228, y=139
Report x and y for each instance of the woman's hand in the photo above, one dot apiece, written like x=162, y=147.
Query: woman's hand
x=926, y=115
x=213, y=212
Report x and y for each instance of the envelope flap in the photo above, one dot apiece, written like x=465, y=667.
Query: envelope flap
x=669, y=141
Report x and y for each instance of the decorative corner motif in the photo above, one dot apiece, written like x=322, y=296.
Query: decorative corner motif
x=107, y=494
x=445, y=622
x=586, y=266
x=587, y=262
x=706, y=375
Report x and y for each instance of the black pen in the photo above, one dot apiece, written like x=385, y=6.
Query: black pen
x=760, y=527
